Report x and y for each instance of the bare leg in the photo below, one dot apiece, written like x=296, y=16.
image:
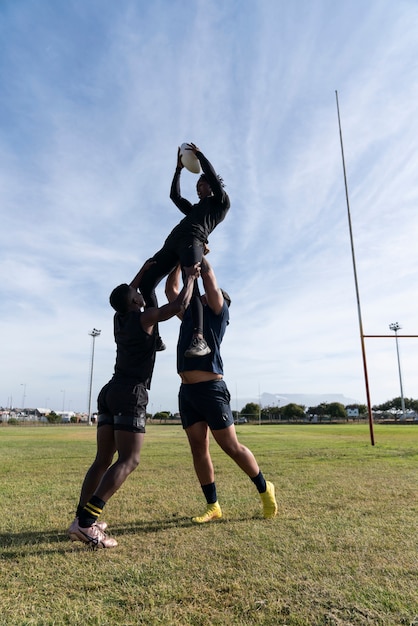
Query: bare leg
x=104, y=456
x=243, y=457
x=128, y=446
x=198, y=435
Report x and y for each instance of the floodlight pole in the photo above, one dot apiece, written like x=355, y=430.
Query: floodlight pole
x=259, y=406
x=94, y=333
x=24, y=395
x=395, y=327
x=363, y=349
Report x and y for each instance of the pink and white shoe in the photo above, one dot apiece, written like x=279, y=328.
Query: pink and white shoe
x=92, y=536
x=73, y=527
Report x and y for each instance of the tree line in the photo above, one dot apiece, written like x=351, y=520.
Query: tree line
x=333, y=410
x=253, y=411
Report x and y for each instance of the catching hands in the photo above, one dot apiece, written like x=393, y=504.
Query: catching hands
x=179, y=161
x=193, y=147
x=192, y=270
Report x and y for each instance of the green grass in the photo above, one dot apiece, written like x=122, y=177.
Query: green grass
x=342, y=551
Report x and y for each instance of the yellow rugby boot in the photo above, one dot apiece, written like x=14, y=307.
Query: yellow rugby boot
x=213, y=511
x=269, y=501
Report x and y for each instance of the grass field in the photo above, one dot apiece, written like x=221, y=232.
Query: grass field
x=342, y=551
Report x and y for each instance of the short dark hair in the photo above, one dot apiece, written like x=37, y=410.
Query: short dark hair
x=119, y=298
x=226, y=298
x=204, y=177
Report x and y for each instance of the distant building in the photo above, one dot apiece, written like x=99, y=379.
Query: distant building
x=41, y=412
x=66, y=416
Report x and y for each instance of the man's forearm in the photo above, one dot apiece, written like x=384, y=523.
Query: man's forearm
x=175, y=185
x=205, y=266
x=185, y=295
x=211, y=175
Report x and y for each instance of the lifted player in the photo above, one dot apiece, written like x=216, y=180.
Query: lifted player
x=186, y=242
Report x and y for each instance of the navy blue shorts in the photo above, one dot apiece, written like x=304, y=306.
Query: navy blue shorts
x=206, y=402
x=123, y=406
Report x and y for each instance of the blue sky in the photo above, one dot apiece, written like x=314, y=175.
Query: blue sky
x=95, y=98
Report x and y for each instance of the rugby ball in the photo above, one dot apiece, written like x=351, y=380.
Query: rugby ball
x=189, y=159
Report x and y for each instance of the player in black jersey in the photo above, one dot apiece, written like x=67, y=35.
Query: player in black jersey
x=122, y=403
x=186, y=242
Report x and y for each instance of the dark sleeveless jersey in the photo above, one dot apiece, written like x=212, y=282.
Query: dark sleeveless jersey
x=135, y=349
x=203, y=217
x=214, y=327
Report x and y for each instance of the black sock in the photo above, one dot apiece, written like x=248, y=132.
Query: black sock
x=79, y=509
x=260, y=482
x=210, y=493
x=91, y=512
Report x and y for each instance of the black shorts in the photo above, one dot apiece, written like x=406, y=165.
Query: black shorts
x=123, y=406
x=206, y=402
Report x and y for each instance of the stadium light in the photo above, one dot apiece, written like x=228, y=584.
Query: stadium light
x=395, y=327
x=94, y=333
x=24, y=395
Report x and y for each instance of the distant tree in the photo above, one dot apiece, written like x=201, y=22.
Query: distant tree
x=413, y=405
x=293, y=411
x=384, y=406
x=251, y=410
x=270, y=412
x=410, y=403
x=162, y=415
x=336, y=409
x=320, y=410
x=396, y=405
x=53, y=418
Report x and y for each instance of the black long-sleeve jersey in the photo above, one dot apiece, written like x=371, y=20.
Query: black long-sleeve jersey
x=203, y=217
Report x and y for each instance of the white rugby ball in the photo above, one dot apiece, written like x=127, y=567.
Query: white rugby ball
x=189, y=159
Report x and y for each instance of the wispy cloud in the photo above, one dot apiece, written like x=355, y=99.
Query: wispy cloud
x=95, y=101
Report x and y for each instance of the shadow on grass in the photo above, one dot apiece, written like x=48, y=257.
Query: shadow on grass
x=16, y=545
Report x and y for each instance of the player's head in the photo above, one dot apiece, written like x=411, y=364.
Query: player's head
x=203, y=177
x=125, y=298
x=119, y=298
x=203, y=188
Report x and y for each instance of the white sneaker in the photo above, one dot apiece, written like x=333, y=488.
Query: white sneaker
x=92, y=535
x=74, y=524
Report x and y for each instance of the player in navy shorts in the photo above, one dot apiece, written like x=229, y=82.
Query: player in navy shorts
x=204, y=399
